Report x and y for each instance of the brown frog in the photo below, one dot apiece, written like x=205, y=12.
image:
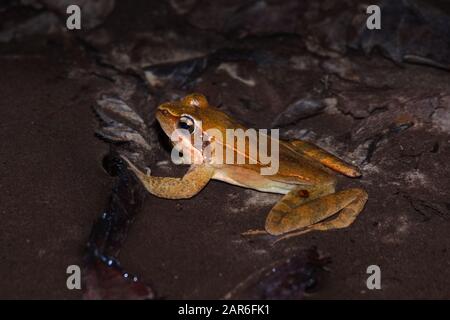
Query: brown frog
x=304, y=174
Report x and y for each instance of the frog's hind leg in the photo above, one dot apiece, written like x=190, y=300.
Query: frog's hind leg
x=292, y=201
x=285, y=218
x=343, y=219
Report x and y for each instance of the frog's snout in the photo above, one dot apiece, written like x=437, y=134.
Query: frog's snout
x=166, y=119
x=162, y=112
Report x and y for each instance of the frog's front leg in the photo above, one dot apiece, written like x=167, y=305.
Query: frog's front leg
x=175, y=188
x=287, y=215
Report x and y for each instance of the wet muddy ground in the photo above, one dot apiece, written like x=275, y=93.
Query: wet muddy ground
x=389, y=116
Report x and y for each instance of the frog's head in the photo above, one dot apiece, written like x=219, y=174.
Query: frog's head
x=194, y=114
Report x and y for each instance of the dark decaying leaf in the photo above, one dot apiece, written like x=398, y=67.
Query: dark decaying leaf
x=300, y=109
x=178, y=73
x=104, y=278
x=286, y=279
x=51, y=20
x=411, y=31
x=94, y=12
x=182, y=73
x=118, y=123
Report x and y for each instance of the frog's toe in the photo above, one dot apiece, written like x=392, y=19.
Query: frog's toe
x=254, y=232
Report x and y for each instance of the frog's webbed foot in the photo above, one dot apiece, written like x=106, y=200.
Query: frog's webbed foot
x=286, y=219
x=120, y=123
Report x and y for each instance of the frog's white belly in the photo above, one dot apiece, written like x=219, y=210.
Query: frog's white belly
x=256, y=181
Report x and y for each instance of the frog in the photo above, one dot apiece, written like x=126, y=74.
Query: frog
x=306, y=175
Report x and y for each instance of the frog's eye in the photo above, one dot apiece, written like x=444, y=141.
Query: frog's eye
x=186, y=123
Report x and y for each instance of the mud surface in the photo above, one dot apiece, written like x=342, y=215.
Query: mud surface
x=378, y=110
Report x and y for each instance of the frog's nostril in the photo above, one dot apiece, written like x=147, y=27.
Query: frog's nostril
x=164, y=112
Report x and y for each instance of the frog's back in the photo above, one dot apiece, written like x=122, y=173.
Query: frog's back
x=293, y=169
x=294, y=165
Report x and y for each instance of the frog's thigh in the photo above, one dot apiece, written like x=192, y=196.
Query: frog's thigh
x=324, y=157
x=284, y=218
